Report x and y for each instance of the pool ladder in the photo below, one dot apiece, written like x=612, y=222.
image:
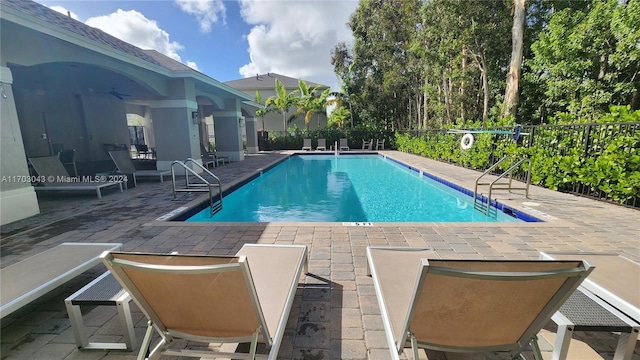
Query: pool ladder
x=215, y=203
x=497, y=184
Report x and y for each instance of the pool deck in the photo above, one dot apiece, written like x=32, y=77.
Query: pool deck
x=335, y=313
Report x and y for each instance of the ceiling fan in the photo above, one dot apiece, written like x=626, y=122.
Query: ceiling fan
x=112, y=92
x=118, y=94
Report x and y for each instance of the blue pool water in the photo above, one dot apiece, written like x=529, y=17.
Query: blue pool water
x=346, y=188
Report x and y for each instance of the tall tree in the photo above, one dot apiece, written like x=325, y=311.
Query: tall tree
x=306, y=102
x=511, y=92
x=262, y=111
x=376, y=65
x=588, y=59
x=463, y=44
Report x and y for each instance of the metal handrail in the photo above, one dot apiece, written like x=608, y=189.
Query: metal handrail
x=190, y=187
x=509, y=186
x=203, y=168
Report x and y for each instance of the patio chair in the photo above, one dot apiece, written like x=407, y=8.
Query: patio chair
x=143, y=150
x=468, y=305
x=367, y=145
x=212, y=299
x=306, y=144
x=209, y=157
x=322, y=145
x=57, y=178
x=344, y=145
x=125, y=166
x=68, y=157
x=380, y=144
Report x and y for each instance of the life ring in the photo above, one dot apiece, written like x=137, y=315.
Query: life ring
x=467, y=141
x=515, y=135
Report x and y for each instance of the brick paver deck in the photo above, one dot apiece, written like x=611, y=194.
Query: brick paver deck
x=335, y=313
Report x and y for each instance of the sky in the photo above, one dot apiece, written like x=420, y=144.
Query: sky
x=228, y=40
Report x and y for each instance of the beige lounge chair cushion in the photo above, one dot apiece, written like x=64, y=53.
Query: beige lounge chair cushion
x=192, y=303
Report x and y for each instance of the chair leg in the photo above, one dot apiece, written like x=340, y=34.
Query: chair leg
x=254, y=344
x=535, y=348
x=414, y=347
x=146, y=342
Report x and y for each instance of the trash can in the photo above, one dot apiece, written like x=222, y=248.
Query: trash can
x=263, y=140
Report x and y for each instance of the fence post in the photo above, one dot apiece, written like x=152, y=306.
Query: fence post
x=587, y=138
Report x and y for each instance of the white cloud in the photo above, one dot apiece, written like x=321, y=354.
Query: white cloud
x=62, y=10
x=207, y=12
x=295, y=38
x=133, y=27
x=192, y=65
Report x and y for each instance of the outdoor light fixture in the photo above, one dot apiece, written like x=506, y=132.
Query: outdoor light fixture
x=195, y=117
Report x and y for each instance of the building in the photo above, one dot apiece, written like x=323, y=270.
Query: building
x=66, y=85
x=265, y=84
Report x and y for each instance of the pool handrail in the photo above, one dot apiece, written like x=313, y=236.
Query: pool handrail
x=189, y=187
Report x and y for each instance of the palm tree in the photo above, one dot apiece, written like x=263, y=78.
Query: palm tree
x=305, y=101
x=322, y=102
x=311, y=103
x=265, y=109
x=283, y=102
x=339, y=116
x=343, y=96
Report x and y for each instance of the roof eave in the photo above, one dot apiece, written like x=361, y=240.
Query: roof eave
x=44, y=27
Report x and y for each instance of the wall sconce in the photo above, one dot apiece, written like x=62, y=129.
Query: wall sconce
x=195, y=117
x=241, y=122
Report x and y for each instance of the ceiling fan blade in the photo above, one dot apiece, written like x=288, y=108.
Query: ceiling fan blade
x=118, y=94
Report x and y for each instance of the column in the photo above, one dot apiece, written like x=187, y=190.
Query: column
x=17, y=198
x=227, y=124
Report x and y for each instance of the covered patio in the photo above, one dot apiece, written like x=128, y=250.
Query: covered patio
x=77, y=88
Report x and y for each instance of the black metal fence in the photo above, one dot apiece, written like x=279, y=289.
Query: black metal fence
x=588, y=141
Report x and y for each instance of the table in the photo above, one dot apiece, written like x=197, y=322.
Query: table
x=608, y=300
x=104, y=290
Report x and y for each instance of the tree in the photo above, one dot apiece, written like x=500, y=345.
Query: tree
x=264, y=110
x=339, y=116
x=463, y=44
x=513, y=75
x=283, y=102
x=377, y=64
x=587, y=59
x=308, y=103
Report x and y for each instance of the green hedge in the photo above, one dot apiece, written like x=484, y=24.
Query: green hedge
x=294, y=140
x=601, y=160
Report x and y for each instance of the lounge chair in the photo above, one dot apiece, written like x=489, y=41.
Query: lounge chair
x=125, y=166
x=68, y=157
x=27, y=280
x=57, y=178
x=468, y=305
x=219, y=299
x=306, y=144
x=344, y=145
x=367, y=145
x=322, y=145
x=380, y=144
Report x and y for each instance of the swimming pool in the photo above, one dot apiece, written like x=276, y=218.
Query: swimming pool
x=346, y=188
